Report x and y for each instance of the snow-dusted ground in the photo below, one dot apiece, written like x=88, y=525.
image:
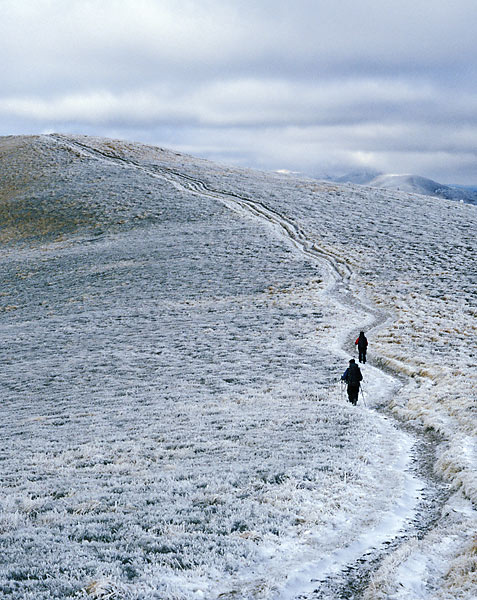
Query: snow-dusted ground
x=172, y=426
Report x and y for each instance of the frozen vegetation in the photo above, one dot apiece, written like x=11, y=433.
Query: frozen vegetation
x=173, y=332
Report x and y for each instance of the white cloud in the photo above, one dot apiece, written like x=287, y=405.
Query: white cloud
x=232, y=103
x=305, y=81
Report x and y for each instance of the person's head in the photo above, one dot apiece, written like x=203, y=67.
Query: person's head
x=351, y=362
x=361, y=333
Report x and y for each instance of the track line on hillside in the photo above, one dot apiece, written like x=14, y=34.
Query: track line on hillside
x=236, y=202
x=340, y=272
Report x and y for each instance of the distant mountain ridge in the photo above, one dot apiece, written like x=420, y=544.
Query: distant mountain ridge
x=413, y=184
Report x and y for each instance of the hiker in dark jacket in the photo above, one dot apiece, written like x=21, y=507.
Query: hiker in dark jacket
x=352, y=376
x=362, y=344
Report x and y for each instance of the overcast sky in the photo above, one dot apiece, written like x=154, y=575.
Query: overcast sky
x=307, y=85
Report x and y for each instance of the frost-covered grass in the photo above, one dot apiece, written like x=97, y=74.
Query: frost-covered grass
x=172, y=426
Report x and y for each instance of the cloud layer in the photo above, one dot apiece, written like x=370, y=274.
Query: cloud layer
x=308, y=85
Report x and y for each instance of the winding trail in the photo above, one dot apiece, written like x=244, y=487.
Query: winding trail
x=347, y=572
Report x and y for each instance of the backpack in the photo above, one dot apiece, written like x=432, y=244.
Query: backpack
x=354, y=374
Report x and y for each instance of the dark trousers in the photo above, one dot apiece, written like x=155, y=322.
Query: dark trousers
x=353, y=391
x=362, y=354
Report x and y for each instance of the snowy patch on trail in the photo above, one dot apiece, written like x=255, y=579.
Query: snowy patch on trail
x=415, y=570
x=305, y=579
x=173, y=422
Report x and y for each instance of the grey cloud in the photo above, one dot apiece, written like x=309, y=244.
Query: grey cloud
x=206, y=38
x=250, y=102
x=264, y=83
x=328, y=150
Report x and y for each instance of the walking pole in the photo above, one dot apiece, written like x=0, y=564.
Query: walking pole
x=340, y=383
x=362, y=394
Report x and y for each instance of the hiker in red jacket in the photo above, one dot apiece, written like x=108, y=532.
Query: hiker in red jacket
x=362, y=344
